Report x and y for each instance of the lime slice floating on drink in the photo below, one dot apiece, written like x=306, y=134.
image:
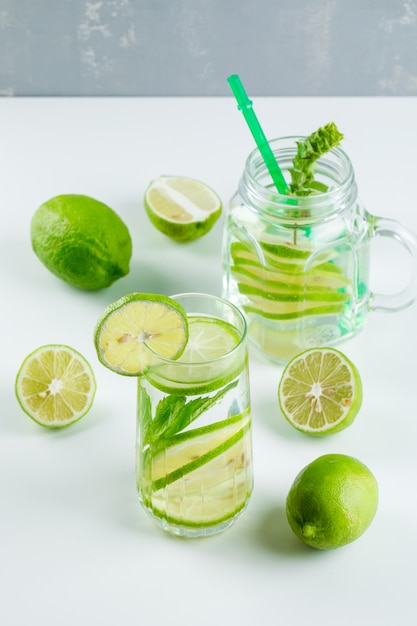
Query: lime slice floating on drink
x=55, y=385
x=207, y=363
x=209, y=338
x=135, y=328
x=320, y=391
x=182, y=208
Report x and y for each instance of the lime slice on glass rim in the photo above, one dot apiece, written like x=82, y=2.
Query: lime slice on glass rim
x=182, y=208
x=135, y=328
x=320, y=391
x=55, y=385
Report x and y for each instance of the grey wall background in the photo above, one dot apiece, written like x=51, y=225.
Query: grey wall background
x=189, y=47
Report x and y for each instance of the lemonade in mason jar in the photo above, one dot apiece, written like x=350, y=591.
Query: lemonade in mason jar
x=297, y=262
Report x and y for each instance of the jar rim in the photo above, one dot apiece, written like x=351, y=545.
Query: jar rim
x=335, y=165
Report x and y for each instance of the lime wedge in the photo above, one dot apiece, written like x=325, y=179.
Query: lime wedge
x=135, y=323
x=182, y=208
x=320, y=391
x=55, y=386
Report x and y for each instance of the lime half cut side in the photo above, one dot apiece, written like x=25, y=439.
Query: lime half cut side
x=320, y=391
x=55, y=385
x=137, y=327
x=209, y=360
x=182, y=208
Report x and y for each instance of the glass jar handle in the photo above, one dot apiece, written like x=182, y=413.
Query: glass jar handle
x=386, y=227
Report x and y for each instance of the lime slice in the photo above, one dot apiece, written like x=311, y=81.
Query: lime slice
x=276, y=281
x=289, y=263
x=286, y=310
x=320, y=391
x=191, y=449
x=207, y=363
x=182, y=208
x=55, y=386
x=209, y=338
x=209, y=478
x=135, y=323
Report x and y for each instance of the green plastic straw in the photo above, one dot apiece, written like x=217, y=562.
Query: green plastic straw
x=245, y=105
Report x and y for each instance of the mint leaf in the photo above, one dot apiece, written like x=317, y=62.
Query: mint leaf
x=145, y=411
x=168, y=413
x=308, y=151
x=173, y=413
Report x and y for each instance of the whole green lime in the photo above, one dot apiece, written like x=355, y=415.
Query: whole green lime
x=332, y=501
x=81, y=240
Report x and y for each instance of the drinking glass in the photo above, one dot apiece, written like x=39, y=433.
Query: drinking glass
x=194, y=447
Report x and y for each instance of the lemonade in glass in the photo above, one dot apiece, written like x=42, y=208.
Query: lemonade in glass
x=194, y=450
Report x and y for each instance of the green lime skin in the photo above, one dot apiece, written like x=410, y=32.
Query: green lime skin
x=332, y=501
x=82, y=241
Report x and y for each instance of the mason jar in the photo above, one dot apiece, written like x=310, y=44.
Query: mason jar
x=299, y=266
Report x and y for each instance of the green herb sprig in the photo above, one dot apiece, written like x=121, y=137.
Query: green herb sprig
x=308, y=152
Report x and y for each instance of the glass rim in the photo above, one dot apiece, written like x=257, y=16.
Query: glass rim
x=161, y=360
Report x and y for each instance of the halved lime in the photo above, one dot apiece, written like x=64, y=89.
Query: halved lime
x=135, y=323
x=208, y=361
x=320, y=391
x=182, y=208
x=55, y=385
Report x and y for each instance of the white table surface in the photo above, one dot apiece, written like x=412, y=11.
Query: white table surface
x=75, y=545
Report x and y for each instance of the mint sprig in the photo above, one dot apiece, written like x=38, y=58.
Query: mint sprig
x=308, y=152
x=173, y=413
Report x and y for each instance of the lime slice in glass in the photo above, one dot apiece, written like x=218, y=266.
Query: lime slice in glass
x=209, y=476
x=208, y=361
x=55, y=385
x=320, y=391
x=135, y=323
x=185, y=452
x=182, y=208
